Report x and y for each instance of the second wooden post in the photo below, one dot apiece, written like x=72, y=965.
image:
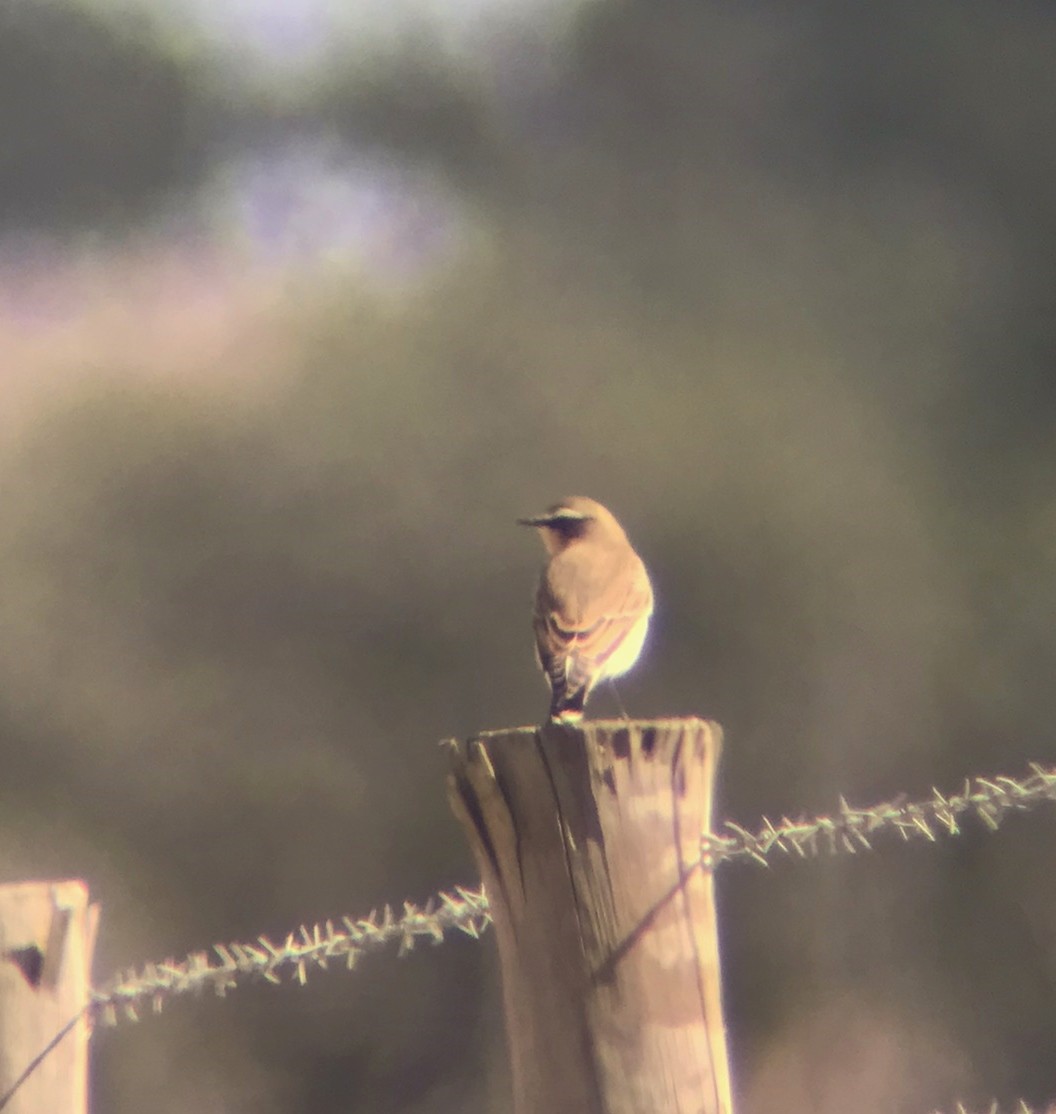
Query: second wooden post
x=47, y=935
x=588, y=842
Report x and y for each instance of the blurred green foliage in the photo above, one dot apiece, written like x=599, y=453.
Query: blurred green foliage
x=774, y=283
x=99, y=116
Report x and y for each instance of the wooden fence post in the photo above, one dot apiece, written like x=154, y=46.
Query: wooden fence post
x=587, y=838
x=47, y=936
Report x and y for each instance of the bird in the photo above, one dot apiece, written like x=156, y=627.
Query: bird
x=593, y=603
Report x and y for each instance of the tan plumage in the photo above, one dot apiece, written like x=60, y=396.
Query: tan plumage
x=593, y=604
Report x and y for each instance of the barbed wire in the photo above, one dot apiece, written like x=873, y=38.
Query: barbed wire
x=466, y=910
x=851, y=829
x=232, y=964
x=1020, y=1108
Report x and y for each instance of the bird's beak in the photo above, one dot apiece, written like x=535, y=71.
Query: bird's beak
x=535, y=520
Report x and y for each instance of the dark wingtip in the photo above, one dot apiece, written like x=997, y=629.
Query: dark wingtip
x=554, y=516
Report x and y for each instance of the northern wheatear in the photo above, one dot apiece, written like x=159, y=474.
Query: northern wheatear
x=593, y=605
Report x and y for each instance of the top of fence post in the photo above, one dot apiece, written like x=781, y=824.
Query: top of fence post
x=47, y=936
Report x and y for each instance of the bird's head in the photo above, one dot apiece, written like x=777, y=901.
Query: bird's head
x=573, y=518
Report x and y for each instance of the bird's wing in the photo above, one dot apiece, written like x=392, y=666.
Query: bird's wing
x=579, y=625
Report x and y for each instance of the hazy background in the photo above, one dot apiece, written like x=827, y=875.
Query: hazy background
x=301, y=305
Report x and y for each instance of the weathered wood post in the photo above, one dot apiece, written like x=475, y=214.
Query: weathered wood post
x=47, y=936
x=588, y=842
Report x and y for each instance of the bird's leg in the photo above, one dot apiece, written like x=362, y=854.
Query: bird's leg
x=619, y=702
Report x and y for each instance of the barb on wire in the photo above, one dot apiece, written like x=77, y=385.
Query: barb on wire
x=1020, y=1108
x=852, y=829
x=233, y=964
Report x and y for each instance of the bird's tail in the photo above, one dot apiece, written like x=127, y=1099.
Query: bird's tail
x=567, y=705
